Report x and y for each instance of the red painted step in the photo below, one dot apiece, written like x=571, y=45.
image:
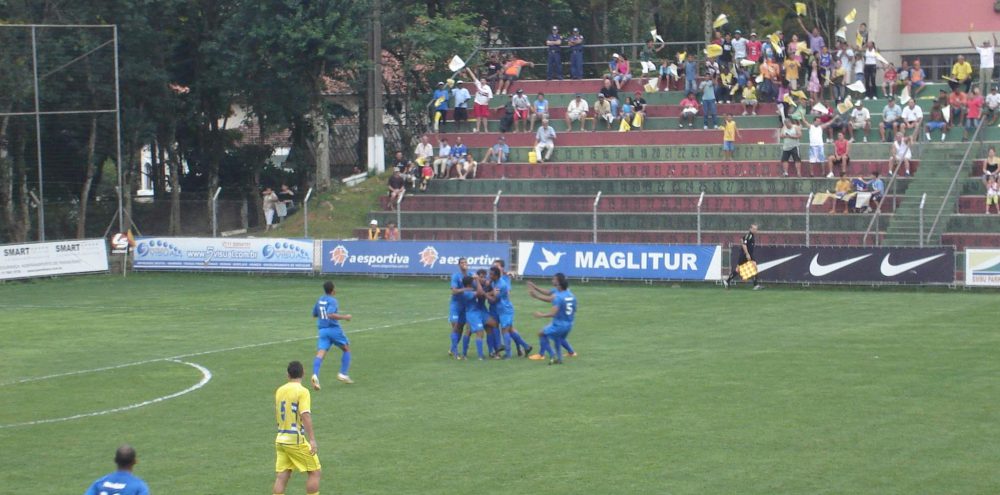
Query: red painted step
x=645, y=170
x=963, y=241
x=764, y=109
x=570, y=86
x=612, y=204
x=974, y=205
x=611, y=138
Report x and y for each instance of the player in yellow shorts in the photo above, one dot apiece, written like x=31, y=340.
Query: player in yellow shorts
x=295, y=444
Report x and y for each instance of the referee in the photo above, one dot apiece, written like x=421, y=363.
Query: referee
x=746, y=254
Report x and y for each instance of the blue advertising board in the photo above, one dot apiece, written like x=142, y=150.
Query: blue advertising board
x=223, y=254
x=627, y=261
x=409, y=257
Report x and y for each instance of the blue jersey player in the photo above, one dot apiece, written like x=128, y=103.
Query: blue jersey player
x=504, y=309
x=563, y=311
x=456, y=309
x=121, y=482
x=475, y=315
x=330, y=334
x=490, y=316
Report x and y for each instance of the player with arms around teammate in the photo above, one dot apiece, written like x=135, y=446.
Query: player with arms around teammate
x=474, y=316
x=500, y=300
x=121, y=482
x=330, y=334
x=295, y=444
x=456, y=309
x=563, y=312
x=746, y=254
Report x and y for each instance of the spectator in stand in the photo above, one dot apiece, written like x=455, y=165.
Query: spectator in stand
x=511, y=73
x=871, y=67
x=974, y=113
x=837, y=81
x=917, y=79
x=522, y=110
x=627, y=115
x=623, y=73
x=611, y=93
x=889, y=81
x=576, y=110
x=507, y=116
x=602, y=112
x=986, y=55
x=750, y=98
x=539, y=110
x=841, y=192
x=270, y=207
x=554, y=44
x=861, y=119
x=424, y=150
x=863, y=33
x=375, y=233
x=690, y=74
x=814, y=87
x=499, y=152
x=440, y=103
x=730, y=133
x=397, y=187
x=466, y=166
x=790, y=135
x=426, y=173
x=841, y=154
x=771, y=72
x=391, y=232
x=961, y=74
x=991, y=165
x=892, y=116
x=993, y=106
x=399, y=162
x=825, y=66
x=816, y=42
x=913, y=118
x=992, y=194
x=816, y=152
x=639, y=107
x=902, y=75
x=544, y=140
x=958, y=101
x=877, y=188
x=726, y=59
x=647, y=57
x=458, y=152
x=707, y=88
x=859, y=67
x=286, y=202
x=412, y=174
x=739, y=47
x=668, y=75
x=460, y=97
x=900, y=154
x=792, y=67
x=443, y=158
x=727, y=85
x=754, y=48
x=712, y=69
x=575, y=43
x=936, y=123
x=494, y=69
x=846, y=57
x=689, y=109
x=793, y=48
x=481, y=103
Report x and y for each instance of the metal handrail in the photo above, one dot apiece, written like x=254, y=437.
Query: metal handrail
x=496, y=206
x=701, y=198
x=305, y=213
x=809, y=201
x=954, y=180
x=878, y=207
x=597, y=201
x=923, y=200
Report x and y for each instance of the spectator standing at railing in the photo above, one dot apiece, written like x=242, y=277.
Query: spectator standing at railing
x=974, y=114
x=554, y=44
x=511, y=73
x=754, y=48
x=961, y=72
x=987, y=53
x=575, y=43
x=707, y=88
x=544, y=140
x=481, y=103
x=460, y=97
x=690, y=74
x=739, y=47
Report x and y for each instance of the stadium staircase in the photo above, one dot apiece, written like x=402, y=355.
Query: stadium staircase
x=939, y=167
x=650, y=181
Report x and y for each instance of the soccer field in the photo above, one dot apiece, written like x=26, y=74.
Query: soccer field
x=689, y=389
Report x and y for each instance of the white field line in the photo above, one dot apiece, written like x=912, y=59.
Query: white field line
x=206, y=375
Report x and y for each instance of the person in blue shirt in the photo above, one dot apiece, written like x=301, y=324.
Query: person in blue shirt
x=504, y=311
x=690, y=74
x=575, y=42
x=456, y=309
x=122, y=481
x=489, y=314
x=474, y=316
x=330, y=334
x=563, y=312
x=440, y=102
x=554, y=44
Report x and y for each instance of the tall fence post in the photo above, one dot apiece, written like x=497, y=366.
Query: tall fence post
x=923, y=199
x=496, y=206
x=597, y=200
x=701, y=199
x=215, y=212
x=305, y=213
x=399, y=211
x=808, y=204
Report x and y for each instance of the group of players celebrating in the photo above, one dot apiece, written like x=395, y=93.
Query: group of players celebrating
x=481, y=306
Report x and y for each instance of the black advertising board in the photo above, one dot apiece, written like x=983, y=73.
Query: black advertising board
x=848, y=265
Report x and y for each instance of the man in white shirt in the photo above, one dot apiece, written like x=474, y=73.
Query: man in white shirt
x=816, y=154
x=993, y=106
x=900, y=154
x=424, y=150
x=481, y=102
x=442, y=161
x=739, y=47
x=460, y=95
x=522, y=110
x=986, y=55
x=861, y=119
x=544, y=140
x=913, y=118
x=576, y=110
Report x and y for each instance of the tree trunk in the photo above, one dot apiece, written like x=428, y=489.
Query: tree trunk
x=636, y=14
x=319, y=147
x=88, y=180
x=708, y=20
x=20, y=229
x=6, y=180
x=174, y=160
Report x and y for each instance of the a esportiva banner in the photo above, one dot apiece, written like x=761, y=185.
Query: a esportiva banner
x=42, y=259
x=843, y=264
x=627, y=261
x=982, y=267
x=410, y=257
x=223, y=254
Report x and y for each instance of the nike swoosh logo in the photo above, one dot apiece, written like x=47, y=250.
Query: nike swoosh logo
x=771, y=264
x=890, y=270
x=818, y=270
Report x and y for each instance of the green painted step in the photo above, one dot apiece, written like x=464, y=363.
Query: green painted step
x=673, y=153
x=974, y=224
x=721, y=186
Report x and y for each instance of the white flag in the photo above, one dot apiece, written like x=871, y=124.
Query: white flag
x=456, y=64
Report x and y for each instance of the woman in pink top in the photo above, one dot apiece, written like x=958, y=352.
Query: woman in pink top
x=622, y=73
x=974, y=112
x=841, y=154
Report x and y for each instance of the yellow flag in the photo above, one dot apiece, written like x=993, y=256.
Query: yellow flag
x=637, y=120
x=788, y=99
x=849, y=18
x=624, y=127
x=798, y=94
x=802, y=47
x=774, y=38
x=681, y=56
x=841, y=33
x=800, y=8
x=720, y=21
x=713, y=50
x=858, y=40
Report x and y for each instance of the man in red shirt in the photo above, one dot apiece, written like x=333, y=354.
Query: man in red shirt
x=754, y=48
x=975, y=111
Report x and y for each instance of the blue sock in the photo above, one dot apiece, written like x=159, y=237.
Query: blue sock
x=317, y=362
x=465, y=345
x=559, y=345
x=497, y=338
x=506, y=343
x=543, y=346
x=517, y=338
x=491, y=342
x=454, y=343
x=565, y=345
x=479, y=348
x=345, y=362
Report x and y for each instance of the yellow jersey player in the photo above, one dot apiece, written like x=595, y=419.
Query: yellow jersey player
x=296, y=443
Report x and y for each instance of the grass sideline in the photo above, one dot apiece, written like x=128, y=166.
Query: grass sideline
x=677, y=390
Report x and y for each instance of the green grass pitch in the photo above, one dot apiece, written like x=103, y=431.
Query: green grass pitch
x=678, y=390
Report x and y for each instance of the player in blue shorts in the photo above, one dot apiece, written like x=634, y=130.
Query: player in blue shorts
x=473, y=316
x=564, y=306
x=500, y=301
x=330, y=334
x=522, y=350
x=490, y=316
x=456, y=309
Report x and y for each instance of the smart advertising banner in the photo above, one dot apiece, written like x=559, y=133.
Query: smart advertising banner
x=42, y=259
x=223, y=254
x=410, y=257
x=842, y=264
x=982, y=267
x=620, y=261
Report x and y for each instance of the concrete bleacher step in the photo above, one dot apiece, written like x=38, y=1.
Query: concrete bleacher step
x=650, y=124
x=645, y=187
x=625, y=170
x=970, y=240
x=630, y=139
x=973, y=205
